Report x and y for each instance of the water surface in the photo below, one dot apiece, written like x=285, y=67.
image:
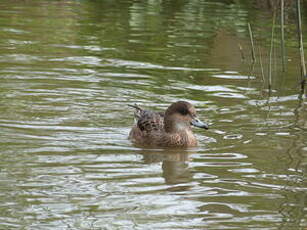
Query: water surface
x=68, y=70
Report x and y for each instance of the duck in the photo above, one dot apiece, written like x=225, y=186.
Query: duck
x=172, y=128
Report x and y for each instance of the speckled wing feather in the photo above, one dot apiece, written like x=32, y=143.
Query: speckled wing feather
x=150, y=121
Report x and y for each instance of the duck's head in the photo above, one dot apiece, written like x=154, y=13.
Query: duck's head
x=180, y=115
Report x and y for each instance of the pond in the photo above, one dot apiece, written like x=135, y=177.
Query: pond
x=69, y=69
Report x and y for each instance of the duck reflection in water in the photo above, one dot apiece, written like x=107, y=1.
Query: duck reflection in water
x=169, y=129
x=174, y=164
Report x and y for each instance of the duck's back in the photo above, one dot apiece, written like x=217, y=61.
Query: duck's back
x=148, y=123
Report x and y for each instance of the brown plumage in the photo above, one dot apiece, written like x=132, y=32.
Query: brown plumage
x=169, y=129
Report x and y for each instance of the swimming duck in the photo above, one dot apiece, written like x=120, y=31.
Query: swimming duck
x=169, y=129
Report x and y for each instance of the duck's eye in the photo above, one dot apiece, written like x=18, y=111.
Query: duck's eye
x=183, y=111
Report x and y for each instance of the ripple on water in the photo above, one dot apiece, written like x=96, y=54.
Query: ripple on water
x=94, y=48
x=233, y=77
x=144, y=65
x=13, y=30
x=81, y=60
x=244, y=170
x=19, y=58
x=224, y=156
x=208, y=88
x=233, y=136
x=230, y=95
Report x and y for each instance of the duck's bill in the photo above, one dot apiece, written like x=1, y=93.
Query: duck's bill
x=198, y=123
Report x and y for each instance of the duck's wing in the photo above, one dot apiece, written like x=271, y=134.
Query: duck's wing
x=148, y=121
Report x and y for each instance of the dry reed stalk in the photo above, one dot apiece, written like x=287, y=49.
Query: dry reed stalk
x=241, y=52
x=301, y=46
x=261, y=66
x=282, y=28
x=252, y=42
x=271, y=51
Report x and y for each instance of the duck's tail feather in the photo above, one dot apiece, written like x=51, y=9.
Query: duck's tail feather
x=135, y=106
x=138, y=111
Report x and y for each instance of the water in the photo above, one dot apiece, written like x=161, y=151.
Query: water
x=68, y=69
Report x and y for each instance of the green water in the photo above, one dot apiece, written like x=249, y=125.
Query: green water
x=68, y=69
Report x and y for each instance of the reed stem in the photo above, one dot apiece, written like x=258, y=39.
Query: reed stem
x=241, y=52
x=252, y=42
x=301, y=46
x=282, y=28
x=261, y=66
x=271, y=51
